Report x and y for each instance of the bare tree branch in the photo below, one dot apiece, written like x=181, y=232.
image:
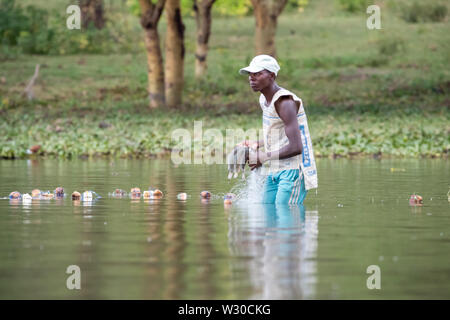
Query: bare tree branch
x=158, y=9
x=29, y=89
x=151, y=13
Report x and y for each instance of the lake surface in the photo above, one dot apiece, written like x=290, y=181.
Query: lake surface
x=171, y=249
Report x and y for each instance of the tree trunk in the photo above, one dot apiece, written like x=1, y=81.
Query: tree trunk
x=92, y=11
x=202, y=10
x=266, y=16
x=150, y=16
x=155, y=68
x=174, y=54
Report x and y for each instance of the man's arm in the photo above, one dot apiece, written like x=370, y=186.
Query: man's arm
x=287, y=110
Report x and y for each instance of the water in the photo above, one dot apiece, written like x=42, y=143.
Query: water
x=171, y=249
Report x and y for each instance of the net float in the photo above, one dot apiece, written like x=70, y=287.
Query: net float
x=119, y=193
x=47, y=195
x=229, y=198
x=157, y=194
x=26, y=198
x=135, y=193
x=36, y=193
x=205, y=194
x=415, y=200
x=182, y=196
x=76, y=195
x=59, y=192
x=15, y=195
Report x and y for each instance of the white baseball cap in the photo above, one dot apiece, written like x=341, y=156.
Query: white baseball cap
x=261, y=62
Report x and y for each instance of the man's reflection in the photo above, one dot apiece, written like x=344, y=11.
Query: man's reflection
x=278, y=244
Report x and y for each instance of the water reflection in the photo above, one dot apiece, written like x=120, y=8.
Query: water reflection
x=277, y=246
x=171, y=249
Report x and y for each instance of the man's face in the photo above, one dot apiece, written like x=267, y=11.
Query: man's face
x=260, y=80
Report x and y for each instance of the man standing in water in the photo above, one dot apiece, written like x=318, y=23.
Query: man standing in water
x=288, y=152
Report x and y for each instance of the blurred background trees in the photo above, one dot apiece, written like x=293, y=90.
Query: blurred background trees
x=92, y=11
x=203, y=19
x=175, y=51
x=93, y=87
x=33, y=27
x=266, y=16
x=150, y=16
x=112, y=27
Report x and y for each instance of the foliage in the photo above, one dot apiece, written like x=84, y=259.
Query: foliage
x=390, y=46
x=220, y=7
x=233, y=7
x=8, y=52
x=35, y=30
x=12, y=20
x=368, y=134
x=145, y=133
x=133, y=7
x=244, y=7
x=354, y=5
x=27, y=28
x=298, y=5
x=38, y=36
x=117, y=36
x=365, y=92
x=423, y=11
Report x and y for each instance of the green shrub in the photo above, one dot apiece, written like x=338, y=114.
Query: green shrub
x=8, y=52
x=26, y=28
x=37, y=38
x=38, y=31
x=354, y=5
x=12, y=22
x=296, y=5
x=438, y=13
x=390, y=46
x=244, y=7
x=233, y=7
x=423, y=12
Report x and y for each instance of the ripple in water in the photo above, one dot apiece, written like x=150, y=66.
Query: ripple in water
x=250, y=190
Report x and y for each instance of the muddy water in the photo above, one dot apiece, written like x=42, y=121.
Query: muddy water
x=171, y=249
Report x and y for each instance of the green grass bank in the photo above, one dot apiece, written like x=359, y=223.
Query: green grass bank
x=367, y=92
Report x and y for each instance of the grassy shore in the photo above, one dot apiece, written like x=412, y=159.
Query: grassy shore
x=381, y=92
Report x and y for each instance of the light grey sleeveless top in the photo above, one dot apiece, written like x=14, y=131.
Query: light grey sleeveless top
x=275, y=138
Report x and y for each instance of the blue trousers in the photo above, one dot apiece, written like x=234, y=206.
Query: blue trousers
x=285, y=187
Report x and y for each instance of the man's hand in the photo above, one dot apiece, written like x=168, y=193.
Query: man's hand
x=256, y=159
x=250, y=143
